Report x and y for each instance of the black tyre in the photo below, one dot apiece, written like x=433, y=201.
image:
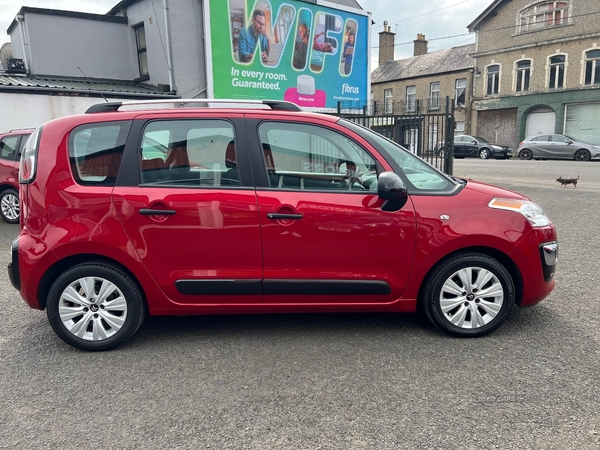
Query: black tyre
x=582, y=155
x=10, y=208
x=525, y=154
x=95, y=306
x=484, y=153
x=469, y=295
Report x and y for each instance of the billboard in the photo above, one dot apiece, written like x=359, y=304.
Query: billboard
x=312, y=53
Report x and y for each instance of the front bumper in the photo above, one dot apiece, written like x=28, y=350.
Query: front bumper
x=549, y=258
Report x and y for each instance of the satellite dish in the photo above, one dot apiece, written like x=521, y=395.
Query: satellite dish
x=5, y=54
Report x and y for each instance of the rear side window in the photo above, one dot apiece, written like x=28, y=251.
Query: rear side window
x=8, y=147
x=189, y=153
x=95, y=152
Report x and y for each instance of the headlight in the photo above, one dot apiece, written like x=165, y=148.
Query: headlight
x=597, y=148
x=532, y=212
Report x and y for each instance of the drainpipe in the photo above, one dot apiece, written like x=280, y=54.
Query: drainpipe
x=168, y=38
x=21, y=19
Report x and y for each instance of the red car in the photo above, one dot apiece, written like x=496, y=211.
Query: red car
x=281, y=211
x=11, y=145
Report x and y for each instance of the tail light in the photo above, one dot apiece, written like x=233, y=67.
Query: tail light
x=28, y=165
x=520, y=143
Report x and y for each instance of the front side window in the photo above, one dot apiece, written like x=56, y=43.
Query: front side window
x=190, y=153
x=461, y=89
x=411, y=92
x=434, y=95
x=523, y=76
x=592, y=67
x=557, y=72
x=388, y=101
x=96, y=150
x=140, y=37
x=493, y=79
x=544, y=14
x=308, y=157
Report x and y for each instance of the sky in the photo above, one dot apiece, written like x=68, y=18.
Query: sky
x=436, y=19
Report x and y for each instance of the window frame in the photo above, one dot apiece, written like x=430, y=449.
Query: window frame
x=528, y=18
x=523, y=75
x=557, y=73
x=411, y=98
x=594, y=67
x=142, y=52
x=388, y=101
x=495, y=81
x=456, y=91
x=434, y=100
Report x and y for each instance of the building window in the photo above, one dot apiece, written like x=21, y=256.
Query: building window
x=434, y=95
x=557, y=72
x=592, y=67
x=411, y=92
x=140, y=38
x=459, y=130
x=544, y=14
x=493, y=79
x=523, y=76
x=388, y=101
x=460, y=91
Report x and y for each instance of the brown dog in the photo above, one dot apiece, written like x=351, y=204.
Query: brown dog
x=564, y=181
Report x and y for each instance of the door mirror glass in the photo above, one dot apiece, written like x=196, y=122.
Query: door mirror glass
x=390, y=187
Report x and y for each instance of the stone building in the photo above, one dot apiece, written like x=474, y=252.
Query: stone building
x=537, y=70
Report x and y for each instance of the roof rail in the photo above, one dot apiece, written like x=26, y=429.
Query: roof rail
x=22, y=129
x=277, y=105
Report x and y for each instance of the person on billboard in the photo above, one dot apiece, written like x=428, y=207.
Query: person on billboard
x=348, y=52
x=255, y=34
x=325, y=47
x=301, y=47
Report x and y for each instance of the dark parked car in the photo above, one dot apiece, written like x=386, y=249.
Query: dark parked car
x=179, y=211
x=476, y=147
x=557, y=146
x=11, y=145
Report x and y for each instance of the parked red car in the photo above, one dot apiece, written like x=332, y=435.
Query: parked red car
x=11, y=145
x=281, y=211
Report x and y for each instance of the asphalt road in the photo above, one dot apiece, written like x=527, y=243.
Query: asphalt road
x=333, y=381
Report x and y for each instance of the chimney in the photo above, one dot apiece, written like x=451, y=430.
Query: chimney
x=386, y=44
x=420, y=45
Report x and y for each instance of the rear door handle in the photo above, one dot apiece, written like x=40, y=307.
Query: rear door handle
x=279, y=216
x=157, y=212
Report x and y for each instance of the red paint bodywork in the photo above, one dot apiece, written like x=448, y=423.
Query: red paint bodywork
x=219, y=233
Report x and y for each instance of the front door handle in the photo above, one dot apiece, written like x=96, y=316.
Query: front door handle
x=279, y=216
x=157, y=212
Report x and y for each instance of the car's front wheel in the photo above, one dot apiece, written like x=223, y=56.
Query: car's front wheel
x=525, y=154
x=95, y=306
x=10, y=208
x=484, y=153
x=469, y=295
x=582, y=155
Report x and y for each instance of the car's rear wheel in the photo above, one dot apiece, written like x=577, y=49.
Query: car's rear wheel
x=582, y=155
x=484, y=153
x=469, y=295
x=10, y=208
x=95, y=306
x=525, y=154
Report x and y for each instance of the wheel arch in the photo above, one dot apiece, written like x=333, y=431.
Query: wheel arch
x=498, y=255
x=65, y=264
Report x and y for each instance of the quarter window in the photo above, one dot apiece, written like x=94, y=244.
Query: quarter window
x=411, y=92
x=493, y=79
x=544, y=14
x=557, y=72
x=306, y=157
x=592, y=67
x=523, y=76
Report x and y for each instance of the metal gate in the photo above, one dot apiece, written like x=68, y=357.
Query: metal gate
x=425, y=131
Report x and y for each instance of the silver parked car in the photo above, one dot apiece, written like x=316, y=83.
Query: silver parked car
x=557, y=146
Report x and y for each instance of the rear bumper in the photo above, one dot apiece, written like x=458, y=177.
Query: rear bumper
x=13, y=266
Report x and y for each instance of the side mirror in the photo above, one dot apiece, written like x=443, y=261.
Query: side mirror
x=391, y=188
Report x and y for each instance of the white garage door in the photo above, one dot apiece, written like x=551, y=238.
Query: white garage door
x=540, y=121
x=581, y=122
